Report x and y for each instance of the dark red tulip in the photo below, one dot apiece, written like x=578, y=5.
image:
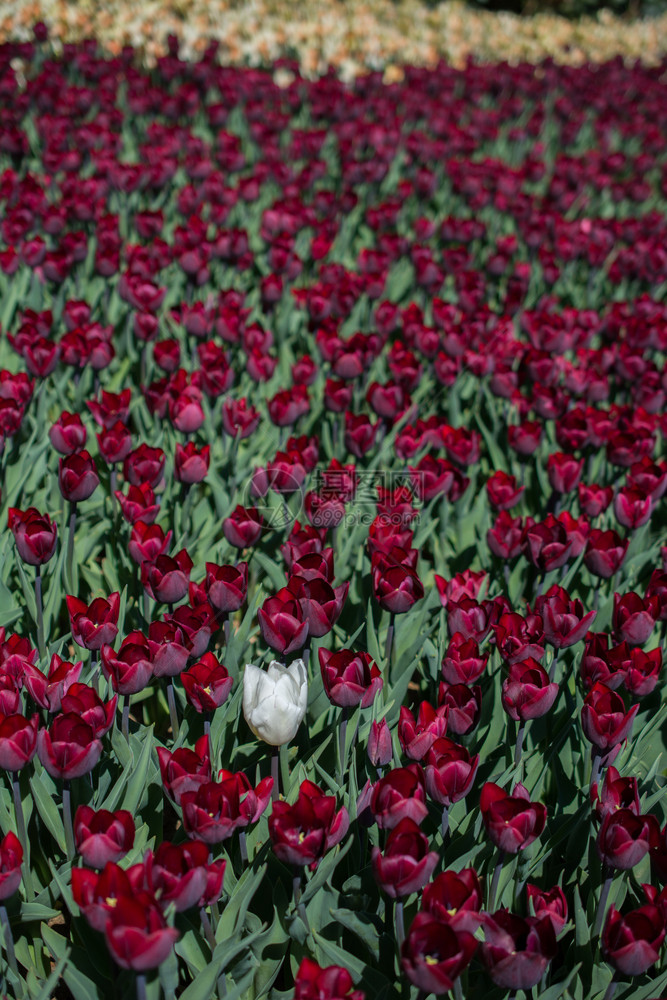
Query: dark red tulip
x=207, y=684
x=18, y=740
x=435, y=953
x=239, y=418
x=519, y=638
x=633, y=618
x=546, y=544
x=605, y=552
x=302, y=833
x=632, y=507
x=243, y=527
x=137, y=934
x=131, y=668
x=77, y=477
x=312, y=982
x=11, y=859
x=505, y=535
x=84, y=701
x=625, y=838
x=34, y=533
x=177, y=873
x=400, y=793
x=594, y=499
x=282, y=623
x=464, y=706
x=48, y=690
x=95, y=624
x=380, y=752
x=396, y=587
x=417, y=736
x=527, y=692
x=69, y=747
x=455, y=898
x=68, y=433
x=144, y=464
x=631, y=942
x=462, y=662
x=139, y=504
x=110, y=407
x=615, y=793
x=191, y=463
x=226, y=586
x=517, y=950
x=563, y=471
x=512, y=821
x=449, y=771
x=349, y=678
x=604, y=719
x=360, y=434
x=321, y=604
x=551, y=904
x=147, y=542
x=406, y=864
x=215, y=809
x=115, y=443
x=167, y=578
x=564, y=621
x=185, y=770
x=102, y=836
x=503, y=490
x=599, y=662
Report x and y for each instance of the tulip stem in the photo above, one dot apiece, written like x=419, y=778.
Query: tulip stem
x=244, y=848
x=70, y=544
x=20, y=828
x=207, y=725
x=298, y=905
x=604, y=896
x=458, y=989
x=495, y=880
x=554, y=661
x=389, y=645
x=39, y=607
x=67, y=820
x=596, y=763
x=518, y=749
x=125, y=724
x=9, y=944
x=275, y=774
x=173, y=715
x=400, y=924
x=141, y=987
x=611, y=989
x=207, y=928
x=342, y=739
x=444, y=823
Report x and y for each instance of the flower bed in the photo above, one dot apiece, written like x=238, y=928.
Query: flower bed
x=333, y=586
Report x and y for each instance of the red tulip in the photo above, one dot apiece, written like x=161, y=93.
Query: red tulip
x=303, y=832
x=34, y=533
x=69, y=748
x=632, y=942
x=513, y=822
x=406, y=864
x=517, y=950
x=312, y=982
x=435, y=953
x=349, y=678
x=11, y=859
x=102, y=836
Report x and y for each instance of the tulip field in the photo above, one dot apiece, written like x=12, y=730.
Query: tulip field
x=333, y=545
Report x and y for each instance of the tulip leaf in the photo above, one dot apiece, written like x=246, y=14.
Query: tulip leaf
x=136, y=785
x=79, y=984
x=361, y=926
x=47, y=809
x=235, y=911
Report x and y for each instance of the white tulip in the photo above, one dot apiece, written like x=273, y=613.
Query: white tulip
x=275, y=700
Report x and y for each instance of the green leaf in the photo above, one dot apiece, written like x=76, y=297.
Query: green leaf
x=48, y=810
x=137, y=783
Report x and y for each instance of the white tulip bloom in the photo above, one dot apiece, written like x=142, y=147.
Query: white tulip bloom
x=275, y=700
